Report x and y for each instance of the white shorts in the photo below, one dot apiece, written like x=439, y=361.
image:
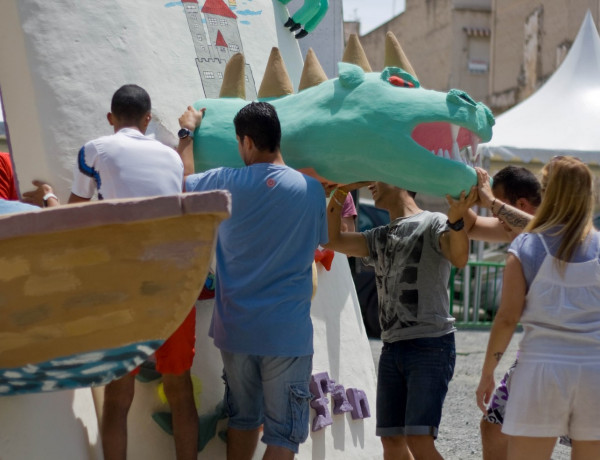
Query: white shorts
x=549, y=399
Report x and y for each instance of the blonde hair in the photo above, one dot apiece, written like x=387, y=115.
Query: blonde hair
x=568, y=203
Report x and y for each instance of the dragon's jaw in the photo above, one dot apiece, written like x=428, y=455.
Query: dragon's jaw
x=448, y=141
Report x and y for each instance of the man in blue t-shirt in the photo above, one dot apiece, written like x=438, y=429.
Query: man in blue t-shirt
x=261, y=321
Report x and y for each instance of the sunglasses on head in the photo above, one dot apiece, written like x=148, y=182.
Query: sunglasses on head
x=560, y=157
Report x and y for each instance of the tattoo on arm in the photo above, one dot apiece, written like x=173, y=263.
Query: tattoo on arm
x=498, y=356
x=514, y=217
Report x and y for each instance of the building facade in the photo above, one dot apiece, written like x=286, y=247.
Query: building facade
x=499, y=51
x=446, y=41
x=530, y=39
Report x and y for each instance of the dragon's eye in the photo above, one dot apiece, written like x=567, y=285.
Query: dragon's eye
x=398, y=77
x=397, y=81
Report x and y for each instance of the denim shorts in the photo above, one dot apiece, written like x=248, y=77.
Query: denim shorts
x=412, y=383
x=271, y=391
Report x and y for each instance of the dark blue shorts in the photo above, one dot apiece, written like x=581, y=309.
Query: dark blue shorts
x=412, y=383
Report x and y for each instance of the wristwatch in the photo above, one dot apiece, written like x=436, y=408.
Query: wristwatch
x=184, y=132
x=456, y=226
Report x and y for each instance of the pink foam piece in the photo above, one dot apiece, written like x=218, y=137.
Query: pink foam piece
x=340, y=401
x=321, y=384
x=359, y=402
x=323, y=417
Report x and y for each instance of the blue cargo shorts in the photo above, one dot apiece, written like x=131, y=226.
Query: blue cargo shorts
x=272, y=391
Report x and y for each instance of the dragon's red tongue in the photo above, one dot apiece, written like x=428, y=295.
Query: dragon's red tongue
x=438, y=135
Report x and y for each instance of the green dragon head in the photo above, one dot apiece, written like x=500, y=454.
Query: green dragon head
x=362, y=126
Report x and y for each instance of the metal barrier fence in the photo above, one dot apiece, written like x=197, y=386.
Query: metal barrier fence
x=474, y=303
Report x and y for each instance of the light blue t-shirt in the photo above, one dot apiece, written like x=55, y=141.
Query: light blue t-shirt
x=9, y=207
x=530, y=251
x=264, y=258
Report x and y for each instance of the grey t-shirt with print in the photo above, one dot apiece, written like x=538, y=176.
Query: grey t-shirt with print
x=411, y=276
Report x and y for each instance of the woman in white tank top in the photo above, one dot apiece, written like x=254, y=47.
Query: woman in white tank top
x=552, y=286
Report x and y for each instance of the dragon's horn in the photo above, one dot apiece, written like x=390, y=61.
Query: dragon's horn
x=394, y=55
x=276, y=81
x=312, y=73
x=234, y=80
x=355, y=54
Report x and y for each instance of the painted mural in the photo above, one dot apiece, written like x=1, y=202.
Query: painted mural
x=65, y=64
x=214, y=29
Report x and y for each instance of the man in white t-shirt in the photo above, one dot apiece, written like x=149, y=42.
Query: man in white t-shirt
x=124, y=165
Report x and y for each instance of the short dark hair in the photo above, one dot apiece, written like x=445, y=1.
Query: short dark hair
x=130, y=103
x=259, y=121
x=518, y=182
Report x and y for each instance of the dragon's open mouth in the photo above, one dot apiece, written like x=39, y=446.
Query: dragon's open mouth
x=448, y=141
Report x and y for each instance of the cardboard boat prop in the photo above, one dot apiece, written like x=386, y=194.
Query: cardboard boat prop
x=89, y=291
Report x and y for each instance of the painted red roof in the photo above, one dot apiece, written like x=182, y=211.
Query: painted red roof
x=220, y=40
x=218, y=8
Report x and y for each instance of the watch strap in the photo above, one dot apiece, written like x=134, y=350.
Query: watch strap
x=184, y=133
x=456, y=226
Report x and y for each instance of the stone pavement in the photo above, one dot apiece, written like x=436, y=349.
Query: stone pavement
x=459, y=431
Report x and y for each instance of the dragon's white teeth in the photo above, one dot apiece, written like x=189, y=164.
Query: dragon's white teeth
x=447, y=155
x=472, y=155
x=454, y=129
x=455, y=151
x=474, y=143
x=464, y=155
x=440, y=153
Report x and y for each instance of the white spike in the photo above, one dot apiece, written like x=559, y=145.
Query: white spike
x=440, y=153
x=474, y=144
x=454, y=129
x=447, y=155
x=472, y=155
x=464, y=154
x=455, y=151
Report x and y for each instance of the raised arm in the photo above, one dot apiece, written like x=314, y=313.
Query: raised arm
x=486, y=229
x=516, y=219
x=511, y=308
x=455, y=242
x=190, y=120
x=490, y=228
x=349, y=243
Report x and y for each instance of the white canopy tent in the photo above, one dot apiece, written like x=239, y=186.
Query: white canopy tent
x=563, y=116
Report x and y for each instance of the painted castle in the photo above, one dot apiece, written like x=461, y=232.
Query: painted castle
x=215, y=40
